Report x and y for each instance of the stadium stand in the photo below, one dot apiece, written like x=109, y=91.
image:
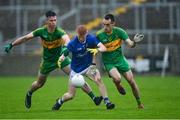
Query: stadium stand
x=159, y=20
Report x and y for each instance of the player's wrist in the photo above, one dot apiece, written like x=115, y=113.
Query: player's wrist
x=10, y=45
x=134, y=44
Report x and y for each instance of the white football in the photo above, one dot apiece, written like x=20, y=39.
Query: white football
x=77, y=80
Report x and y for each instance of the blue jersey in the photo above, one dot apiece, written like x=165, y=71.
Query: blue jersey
x=81, y=58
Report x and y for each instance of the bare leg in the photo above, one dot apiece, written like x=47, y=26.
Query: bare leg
x=93, y=74
x=130, y=78
x=39, y=83
x=70, y=94
x=117, y=80
x=100, y=84
x=66, y=97
x=35, y=86
x=86, y=88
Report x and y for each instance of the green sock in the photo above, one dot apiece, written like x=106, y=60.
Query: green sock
x=91, y=94
x=138, y=101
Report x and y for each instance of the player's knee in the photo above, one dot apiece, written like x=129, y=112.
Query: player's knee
x=41, y=81
x=98, y=81
x=129, y=77
x=116, y=79
x=131, y=80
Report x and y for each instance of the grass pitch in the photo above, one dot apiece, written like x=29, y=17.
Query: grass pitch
x=161, y=97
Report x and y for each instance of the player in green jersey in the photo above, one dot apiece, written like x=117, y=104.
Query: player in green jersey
x=114, y=60
x=54, y=40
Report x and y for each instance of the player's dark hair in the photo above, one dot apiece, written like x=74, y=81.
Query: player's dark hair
x=50, y=13
x=109, y=16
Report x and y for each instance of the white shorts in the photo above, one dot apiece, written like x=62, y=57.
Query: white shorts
x=90, y=72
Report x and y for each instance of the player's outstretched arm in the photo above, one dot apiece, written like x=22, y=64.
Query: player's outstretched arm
x=18, y=41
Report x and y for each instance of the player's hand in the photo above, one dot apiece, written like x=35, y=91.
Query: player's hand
x=61, y=58
x=8, y=47
x=138, y=37
x=94, y=51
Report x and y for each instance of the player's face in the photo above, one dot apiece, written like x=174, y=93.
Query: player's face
x=52, y=21
x=108, y=25
x=82, y=38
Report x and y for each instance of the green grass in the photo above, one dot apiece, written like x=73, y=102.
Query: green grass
x=161, y=97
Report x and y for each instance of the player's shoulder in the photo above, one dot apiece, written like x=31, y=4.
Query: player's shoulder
x=118, y=29
x=41, y=28
x=39, y=31
x=99, y=32
x=60, y=30
x=91, y=36
x=73, y=40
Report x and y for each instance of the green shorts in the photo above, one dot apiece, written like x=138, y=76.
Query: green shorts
x=48, y=66
x=122, y=66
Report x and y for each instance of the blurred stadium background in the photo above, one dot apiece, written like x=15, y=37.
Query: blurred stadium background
x=159, y=53
x=158, y=20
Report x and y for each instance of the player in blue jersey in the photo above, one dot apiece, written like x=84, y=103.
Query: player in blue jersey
x=82, y=62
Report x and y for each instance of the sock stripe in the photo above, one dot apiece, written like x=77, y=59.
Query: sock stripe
x=60, y=101
x=106, y=100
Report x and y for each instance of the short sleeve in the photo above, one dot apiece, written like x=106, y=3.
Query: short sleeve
x=122, y=34
x=96, y=41
x=37, y=32
x=61, y=32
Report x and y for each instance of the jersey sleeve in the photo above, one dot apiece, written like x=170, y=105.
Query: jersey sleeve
x=122, y=34
x=95, y=40
x=37, y=32
x=61, y=32
x=92, y=41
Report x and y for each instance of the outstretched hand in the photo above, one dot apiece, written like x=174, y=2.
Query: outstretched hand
x=61, y=58
x=138, y=37
x=8, y=47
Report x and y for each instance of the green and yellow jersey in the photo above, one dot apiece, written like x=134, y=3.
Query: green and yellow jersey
x=52, y=42
x=113, y=44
